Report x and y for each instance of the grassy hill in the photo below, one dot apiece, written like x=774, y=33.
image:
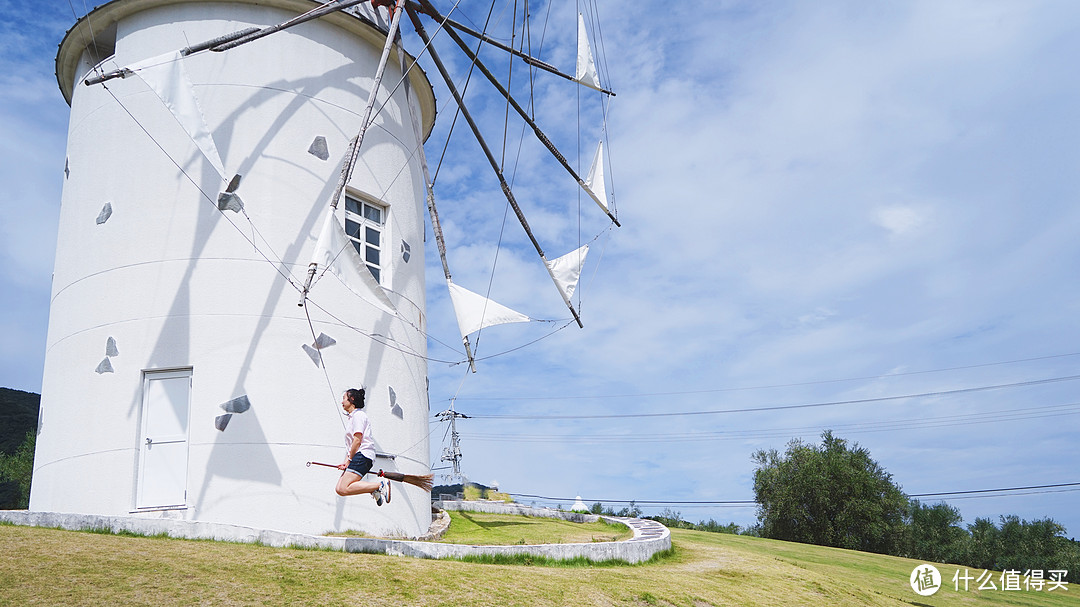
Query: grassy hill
x=52, y=567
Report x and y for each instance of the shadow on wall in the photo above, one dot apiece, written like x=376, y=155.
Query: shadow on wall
x=240, y=453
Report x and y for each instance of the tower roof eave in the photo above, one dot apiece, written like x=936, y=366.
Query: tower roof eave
x=105, y=17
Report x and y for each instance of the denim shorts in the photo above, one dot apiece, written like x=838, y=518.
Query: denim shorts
x=360, y=464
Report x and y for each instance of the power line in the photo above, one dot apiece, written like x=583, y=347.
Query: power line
x=980, y=491
x=772, y=386
x=968, y=493
x=882, y=426
x=1034, y=382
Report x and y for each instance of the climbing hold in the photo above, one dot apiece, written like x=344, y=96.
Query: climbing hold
x=110, y=348
x=318, y=148
x=221, y=421
x=237, y=405
x=105, y=366
x=105, y=214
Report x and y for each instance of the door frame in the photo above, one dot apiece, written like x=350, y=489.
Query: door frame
x=149, y=375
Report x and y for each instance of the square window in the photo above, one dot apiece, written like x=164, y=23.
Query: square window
x=364, y=225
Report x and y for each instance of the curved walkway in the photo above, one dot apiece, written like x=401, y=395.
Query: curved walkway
x=649, y=537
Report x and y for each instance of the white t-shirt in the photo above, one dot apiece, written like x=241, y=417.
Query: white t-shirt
x=358, y=422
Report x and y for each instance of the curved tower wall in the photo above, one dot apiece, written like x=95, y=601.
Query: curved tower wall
x=168, y=310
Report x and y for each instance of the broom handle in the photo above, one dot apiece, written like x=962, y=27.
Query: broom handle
x=394, y=476
x=423, y=481
x=309, y=464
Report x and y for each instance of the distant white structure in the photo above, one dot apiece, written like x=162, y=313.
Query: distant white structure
x=181, y=378
x=579, y=506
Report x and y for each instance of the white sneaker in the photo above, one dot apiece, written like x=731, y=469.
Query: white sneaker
x=378, y=493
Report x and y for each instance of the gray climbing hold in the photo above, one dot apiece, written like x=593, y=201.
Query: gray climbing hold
x=105, y=214
x=105, y=366
x=227, y=201
x=314, y=354
x=110, y=348
x=318, y=148
x=237, y=405
x=221, y=421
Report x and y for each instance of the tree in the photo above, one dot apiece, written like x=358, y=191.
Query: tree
x=986, y=545
x=19, y=467
x=832, y=495
x=935, y=534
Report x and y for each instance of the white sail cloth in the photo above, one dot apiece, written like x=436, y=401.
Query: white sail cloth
x=595, y=180
x=166, y=76
x=475, y=312
x=335, y=253
x=586, y=66
x=566, y=270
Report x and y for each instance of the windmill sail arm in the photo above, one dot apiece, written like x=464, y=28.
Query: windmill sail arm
x=426, y=8
x=433, y=212
x=329, y=7
x=228, y=41
x=528, y=119
x=415, y=18
x=354, y=145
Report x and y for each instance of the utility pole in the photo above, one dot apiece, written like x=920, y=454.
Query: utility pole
x=452, y=453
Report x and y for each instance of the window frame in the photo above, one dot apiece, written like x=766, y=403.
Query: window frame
x=361, y=241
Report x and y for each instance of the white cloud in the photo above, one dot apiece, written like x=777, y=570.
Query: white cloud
x=900, y=220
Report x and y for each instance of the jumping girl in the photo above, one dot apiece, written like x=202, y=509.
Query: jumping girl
x=360, y=451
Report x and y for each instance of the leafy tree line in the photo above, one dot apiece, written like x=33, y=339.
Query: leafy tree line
x=18, y=424
x=837, y=495
x=16, y=469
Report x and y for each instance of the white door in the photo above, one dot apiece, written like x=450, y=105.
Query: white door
x=163, y=440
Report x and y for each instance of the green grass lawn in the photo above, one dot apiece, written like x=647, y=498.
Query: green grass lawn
x=506, y=529
x=52, y=567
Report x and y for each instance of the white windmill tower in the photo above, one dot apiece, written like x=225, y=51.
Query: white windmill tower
x=201, y=198
x=182, y=380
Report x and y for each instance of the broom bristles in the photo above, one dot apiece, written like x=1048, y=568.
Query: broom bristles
x=419, y=480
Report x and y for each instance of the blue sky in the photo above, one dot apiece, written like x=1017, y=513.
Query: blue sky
x=822, y=203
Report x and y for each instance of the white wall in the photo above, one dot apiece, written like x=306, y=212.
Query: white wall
x=178, y=284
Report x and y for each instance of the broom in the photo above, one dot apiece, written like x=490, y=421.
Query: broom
x=419, y=480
